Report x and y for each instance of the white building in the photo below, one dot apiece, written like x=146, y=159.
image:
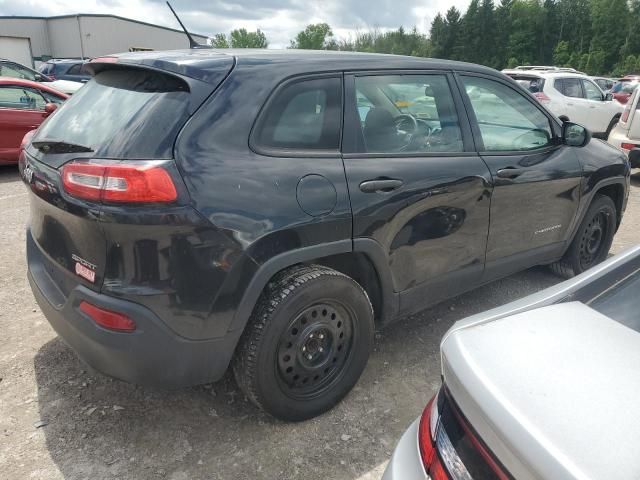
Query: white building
x=34, y=39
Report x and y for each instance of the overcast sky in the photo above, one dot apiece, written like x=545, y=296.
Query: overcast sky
x=279, y=19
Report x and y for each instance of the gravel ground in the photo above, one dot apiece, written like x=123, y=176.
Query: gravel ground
x=59, y=421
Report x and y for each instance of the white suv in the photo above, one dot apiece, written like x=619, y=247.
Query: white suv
x=571, y=95
x=626, y=134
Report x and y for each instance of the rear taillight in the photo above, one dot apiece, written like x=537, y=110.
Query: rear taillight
x=450, y=448
x=134, y=182
x=427, y=441
x=542, y=98
x=107, y=318
x=629, y=146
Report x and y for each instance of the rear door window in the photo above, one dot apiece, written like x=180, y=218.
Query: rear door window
x=407, y=113
x=74, y=69
x=304, y=115
x=569, y=87
x=123, y=114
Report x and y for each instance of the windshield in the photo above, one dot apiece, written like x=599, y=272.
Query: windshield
x=621, y=302
x=122, y=114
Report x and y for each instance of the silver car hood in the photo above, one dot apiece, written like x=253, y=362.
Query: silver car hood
x=554, y=392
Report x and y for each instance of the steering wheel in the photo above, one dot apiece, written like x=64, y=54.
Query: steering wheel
x=406, y=124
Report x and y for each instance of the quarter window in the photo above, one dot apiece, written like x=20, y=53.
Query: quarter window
x=305, y=115
x=507, y=120
x=21, y=99
x=591, y=91
x=407, y=113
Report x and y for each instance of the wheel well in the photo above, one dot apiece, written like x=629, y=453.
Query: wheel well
x=616, y=193
x=360, y=268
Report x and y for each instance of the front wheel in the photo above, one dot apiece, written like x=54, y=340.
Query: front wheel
x=592, y=241
x=306, y=343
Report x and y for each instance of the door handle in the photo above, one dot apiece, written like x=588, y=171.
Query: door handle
x=380, y=185
x=510, y=172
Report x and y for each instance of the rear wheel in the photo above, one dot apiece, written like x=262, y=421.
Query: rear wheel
x=307, y=342
x=592, y=241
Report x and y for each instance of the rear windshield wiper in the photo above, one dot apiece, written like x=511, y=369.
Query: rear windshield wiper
x=49, y=145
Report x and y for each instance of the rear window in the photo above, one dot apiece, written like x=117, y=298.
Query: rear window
x=123, y=114
x=530, y=84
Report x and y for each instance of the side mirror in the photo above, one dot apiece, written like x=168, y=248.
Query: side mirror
x=634, y=157
x=49, y=108
x=608, y=97
x=575, y=135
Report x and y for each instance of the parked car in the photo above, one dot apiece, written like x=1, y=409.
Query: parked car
x=66, y=69
x=624, y=87
x=545, y=387
x=605, y=84
x=574, y=97
x=16, y=70
x=264, y=231
x=626, y=134
x=23, y=107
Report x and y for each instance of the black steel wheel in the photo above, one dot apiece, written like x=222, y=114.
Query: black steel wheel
x=314, y=349
x=306, y=343
x=592, y=241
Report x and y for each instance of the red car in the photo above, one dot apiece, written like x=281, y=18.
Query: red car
x=624, y=87
x=23, y=107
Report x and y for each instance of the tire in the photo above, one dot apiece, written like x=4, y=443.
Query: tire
x=593, y=239
x=306, y=343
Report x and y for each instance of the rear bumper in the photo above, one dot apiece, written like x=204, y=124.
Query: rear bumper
x=406, y=464
x=151, y=355
x=617, y=137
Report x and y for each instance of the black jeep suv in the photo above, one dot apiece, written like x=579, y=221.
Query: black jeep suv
x=192, y=210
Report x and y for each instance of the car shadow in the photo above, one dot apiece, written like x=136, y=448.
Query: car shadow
x=97, y=427
x=8, y=173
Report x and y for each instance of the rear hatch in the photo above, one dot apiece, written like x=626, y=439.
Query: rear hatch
x=125, y=114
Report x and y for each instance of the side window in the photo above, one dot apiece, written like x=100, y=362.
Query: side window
x=304, y=115
x=15, y=71
x=507, y=120
x=570, y=87
x=407, y=113
x=21, y=98
x=75, y=69
x=591, y=91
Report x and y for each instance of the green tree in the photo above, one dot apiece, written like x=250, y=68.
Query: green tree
x=453, y=38
x=609, y=18
x=439, y=37
x=317, y=36
x=241, y=38
x=562, y=54
x=219, y=40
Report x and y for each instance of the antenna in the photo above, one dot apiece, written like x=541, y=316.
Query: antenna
x=192, y=42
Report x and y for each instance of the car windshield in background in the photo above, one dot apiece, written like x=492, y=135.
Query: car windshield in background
x=123, y=114
x=621, y=302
